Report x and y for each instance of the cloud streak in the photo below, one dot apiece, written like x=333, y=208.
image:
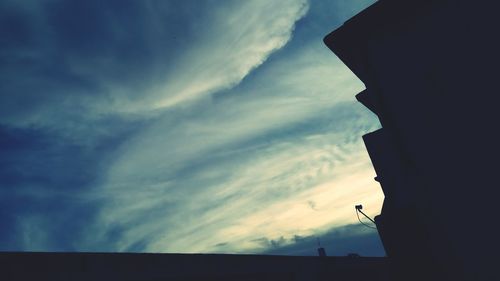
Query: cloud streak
x=178, y=127
x=237, y=38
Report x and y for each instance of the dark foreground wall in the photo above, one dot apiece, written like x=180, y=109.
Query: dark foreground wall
x=431, y=71
x=109, y=266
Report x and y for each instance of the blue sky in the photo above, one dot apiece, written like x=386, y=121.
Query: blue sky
x=181, y=126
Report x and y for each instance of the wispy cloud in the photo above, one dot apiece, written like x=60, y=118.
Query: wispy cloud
x=244, y=168
x=235, y=39
x=242, y=195
x=201, y=127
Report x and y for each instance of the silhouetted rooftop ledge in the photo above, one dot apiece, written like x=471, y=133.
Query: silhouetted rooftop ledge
x=145, y=266
x=351, y=41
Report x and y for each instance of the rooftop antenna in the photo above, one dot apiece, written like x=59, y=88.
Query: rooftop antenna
x=358, y=209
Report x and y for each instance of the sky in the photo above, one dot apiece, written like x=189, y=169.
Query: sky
x=181, y=127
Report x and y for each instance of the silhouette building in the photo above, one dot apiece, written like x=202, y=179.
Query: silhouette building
x=430, y=69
